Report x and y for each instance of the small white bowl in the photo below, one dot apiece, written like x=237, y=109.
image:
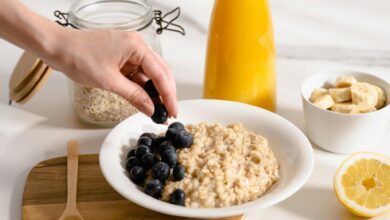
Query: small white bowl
x=292, y=150
x=340, y=132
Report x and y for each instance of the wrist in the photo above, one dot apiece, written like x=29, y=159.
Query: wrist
x=57, y=49
x=50, y=43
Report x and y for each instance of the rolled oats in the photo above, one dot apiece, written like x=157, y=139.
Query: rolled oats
x=226, y=166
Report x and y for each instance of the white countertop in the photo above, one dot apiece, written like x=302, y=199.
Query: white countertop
x=311, y=36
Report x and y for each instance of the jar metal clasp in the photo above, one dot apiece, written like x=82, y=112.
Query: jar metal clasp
x=163, y=21
x=63, y=19
x=166, y=22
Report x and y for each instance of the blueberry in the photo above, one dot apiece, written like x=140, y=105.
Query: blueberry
x=178, y=172
x=144, y=141
x=141, y=150
x=183, y=139
x=131, y=153
x=177, y=125
x=151, y=89
x=171, y=134
x=160, y=171
x=147, y=161
x=131, y=162
x=156, y=158
x=166, y=145
x=137, y=174
x=153, y=188
x=149, y=135
x=157, y=143
x=160, y=114
x=169, y=157
x=178, y=197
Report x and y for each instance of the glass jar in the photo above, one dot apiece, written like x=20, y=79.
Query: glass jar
x=97, y=106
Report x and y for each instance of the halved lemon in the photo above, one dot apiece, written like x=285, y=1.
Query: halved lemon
x=362, y=184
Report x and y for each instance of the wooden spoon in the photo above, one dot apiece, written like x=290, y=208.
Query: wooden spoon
x=71, y=212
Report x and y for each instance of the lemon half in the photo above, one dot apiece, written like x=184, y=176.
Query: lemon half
x=362, y=184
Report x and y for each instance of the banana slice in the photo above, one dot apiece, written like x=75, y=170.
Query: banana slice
x=318, y=93
x=364, y=93
x=346, y=107
x=381, y=97
x=324, y=102
x=345, y=81
x=363, y=108
x=340, y=94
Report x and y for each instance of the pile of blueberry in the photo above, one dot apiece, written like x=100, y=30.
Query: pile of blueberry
x=155, y=157
x=160, y=114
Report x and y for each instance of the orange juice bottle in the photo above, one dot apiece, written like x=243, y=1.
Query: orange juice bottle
x=240, y=63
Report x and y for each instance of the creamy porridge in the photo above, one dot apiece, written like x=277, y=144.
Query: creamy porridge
x=225, y=166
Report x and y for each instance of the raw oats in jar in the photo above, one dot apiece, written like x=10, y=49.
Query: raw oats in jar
x=95, y=105
x=99, y=106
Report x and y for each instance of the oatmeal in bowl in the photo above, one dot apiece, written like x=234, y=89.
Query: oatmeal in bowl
x=205, y=165
x=217, y=165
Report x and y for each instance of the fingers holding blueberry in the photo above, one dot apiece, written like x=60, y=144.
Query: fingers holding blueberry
x=151, y=89
x=160, y=115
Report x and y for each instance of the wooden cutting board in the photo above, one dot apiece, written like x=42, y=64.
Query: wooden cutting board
x=44, y=195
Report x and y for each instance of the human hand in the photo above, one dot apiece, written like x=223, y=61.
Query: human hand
x=105, y=59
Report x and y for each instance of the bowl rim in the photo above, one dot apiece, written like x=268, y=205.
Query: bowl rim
x=340, y=73
x=306, y=150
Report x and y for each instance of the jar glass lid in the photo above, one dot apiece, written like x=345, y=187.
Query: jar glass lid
x=115, y=14
x=29, y=75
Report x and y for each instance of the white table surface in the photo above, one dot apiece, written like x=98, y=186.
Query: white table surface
x=311, y=36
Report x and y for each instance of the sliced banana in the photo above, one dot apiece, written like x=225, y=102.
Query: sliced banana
x=381, y=97
x=346, y=107
x=324, y=102
x=363, y=108
x=340, y=94
x=345, y=81
x=364, y=93
x=318, y=93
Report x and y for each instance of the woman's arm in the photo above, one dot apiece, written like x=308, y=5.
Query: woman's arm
x=26, y=29
x=95, y=58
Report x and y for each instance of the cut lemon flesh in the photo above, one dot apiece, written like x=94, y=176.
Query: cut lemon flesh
x=362, y=184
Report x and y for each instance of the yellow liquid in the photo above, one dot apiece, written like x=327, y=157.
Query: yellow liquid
x=240, y=64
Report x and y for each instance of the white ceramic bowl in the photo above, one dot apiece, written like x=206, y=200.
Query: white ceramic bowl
x=292, y=150
x=340, y=132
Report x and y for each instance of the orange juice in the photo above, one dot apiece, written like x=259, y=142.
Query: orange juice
x=240, y=63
